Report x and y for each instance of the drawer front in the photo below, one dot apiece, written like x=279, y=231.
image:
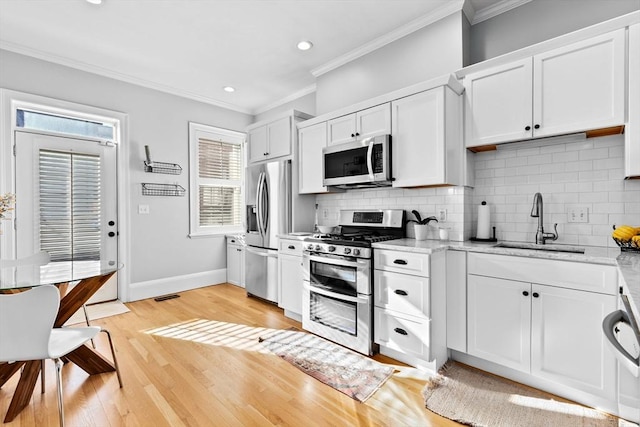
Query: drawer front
x=566, y=274
x=404, y=293
x=401, y=262
x=402, y=333
x=291, y=247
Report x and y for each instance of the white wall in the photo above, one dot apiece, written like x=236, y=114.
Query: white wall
x=540, y=20
x=430, y=52
x=159, y=247
x=305, y=104
x=571, y=173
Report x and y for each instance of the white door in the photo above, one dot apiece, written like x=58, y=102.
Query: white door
x=66, y=200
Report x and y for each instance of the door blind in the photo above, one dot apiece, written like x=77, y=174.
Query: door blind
x=70, y=208
x=220, y=183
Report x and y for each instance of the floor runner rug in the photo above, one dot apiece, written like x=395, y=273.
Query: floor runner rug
x=349, y=372
x=476, y=398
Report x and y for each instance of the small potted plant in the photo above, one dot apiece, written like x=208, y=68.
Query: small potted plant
x=421, y=227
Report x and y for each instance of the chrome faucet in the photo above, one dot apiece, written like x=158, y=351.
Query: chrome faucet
x=536, y=212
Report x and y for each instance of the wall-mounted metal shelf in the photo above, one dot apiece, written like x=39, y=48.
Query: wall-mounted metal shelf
x=149, y=189
x=162, y=167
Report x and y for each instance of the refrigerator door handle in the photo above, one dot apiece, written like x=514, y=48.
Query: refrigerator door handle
x=259, y=204
x=265, y=203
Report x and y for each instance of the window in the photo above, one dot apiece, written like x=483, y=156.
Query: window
x=216, y=180
x=66, y=125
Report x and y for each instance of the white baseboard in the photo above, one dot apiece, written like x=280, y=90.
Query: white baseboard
x=169, y=285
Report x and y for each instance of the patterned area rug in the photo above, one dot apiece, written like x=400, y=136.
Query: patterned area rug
x=476, y=398
x=351, y=373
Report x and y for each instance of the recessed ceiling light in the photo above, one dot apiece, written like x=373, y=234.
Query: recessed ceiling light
x=229, y=89
x=305, y=45
x=94, y=1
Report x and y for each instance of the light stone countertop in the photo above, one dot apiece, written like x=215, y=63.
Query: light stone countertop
x=628, y=263
x=295, y=235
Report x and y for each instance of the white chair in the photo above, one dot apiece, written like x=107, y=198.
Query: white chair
x=27, y=333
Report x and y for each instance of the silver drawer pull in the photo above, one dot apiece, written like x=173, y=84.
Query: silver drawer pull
x=400, y=261
x=291, y=247
x=401, y=331
x=401, y=292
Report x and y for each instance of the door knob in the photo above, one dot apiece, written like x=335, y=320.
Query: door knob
x=111, y=234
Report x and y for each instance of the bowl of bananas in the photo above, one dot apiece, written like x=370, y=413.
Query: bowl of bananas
x=627, y=237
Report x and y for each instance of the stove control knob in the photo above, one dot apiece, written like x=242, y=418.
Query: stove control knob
x=318, y=247
x=310, y=247
x=347, y=250
x=356, y=251
x=331, y=248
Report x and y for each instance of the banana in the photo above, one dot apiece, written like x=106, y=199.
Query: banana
x=624, y=233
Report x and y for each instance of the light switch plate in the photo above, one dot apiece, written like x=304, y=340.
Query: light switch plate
x=578, y=213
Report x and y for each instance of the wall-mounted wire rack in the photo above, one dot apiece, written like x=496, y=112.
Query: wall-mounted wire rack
x=162, y=167
x=149, y=189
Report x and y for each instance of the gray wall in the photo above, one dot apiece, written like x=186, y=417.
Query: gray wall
x=159, y=244
x=540, y=20
x=429, y=52
x=305, y=104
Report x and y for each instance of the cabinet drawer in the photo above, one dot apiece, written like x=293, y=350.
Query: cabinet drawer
x=292, y=247
x=404, y=293
x=401, y=262
x=402, y=333
x=566, y=274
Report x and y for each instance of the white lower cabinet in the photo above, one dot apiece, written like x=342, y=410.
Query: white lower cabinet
x=551, y=331
x=409, y=306
x=290, y=277
x=235, y=261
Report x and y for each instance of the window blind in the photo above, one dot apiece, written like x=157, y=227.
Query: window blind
x=69, y=205
x=219, y=184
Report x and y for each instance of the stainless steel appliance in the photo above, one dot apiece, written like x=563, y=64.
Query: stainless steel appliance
x=272, y=209
x=338, y=277
x=359, y=164
x=622, y=332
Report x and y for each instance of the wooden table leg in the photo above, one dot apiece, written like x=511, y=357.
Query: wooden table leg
x=24, y=390
x=7, y=370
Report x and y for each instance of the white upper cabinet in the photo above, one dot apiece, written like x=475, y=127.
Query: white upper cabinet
x=311, y=141
x=362, y=124
x=573, y=88
x=632, y=129
x=426, y=139
x=270, y=141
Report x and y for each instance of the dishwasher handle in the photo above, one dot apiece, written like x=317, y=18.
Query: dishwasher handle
x=623, y=356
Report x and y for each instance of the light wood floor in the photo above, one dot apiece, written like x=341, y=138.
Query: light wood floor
x=196, y=361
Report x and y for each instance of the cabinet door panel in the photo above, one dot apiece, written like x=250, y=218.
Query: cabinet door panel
x=402, y=333
x=567, y=342
x=290, y=275
x=374, y=121
x=311, y=141
x=581, y=86
x=499, y=321
x=402, y=292
x=418, y=145
x=257, y=144
x=632, y=129
x=498, y=104
x=340, y=129
x=279, y=137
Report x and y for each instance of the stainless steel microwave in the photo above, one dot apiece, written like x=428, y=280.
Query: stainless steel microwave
x=359, y=164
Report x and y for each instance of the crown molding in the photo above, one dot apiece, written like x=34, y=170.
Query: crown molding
x=302, y=92
x=82, y=66
x=496, y=9
x=441, y=12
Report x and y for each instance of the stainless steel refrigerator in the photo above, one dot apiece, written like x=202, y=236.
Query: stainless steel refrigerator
x=270, y=204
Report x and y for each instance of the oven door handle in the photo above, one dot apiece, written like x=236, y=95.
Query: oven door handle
x=623, y=356
x=342, y=297
x=332, y=261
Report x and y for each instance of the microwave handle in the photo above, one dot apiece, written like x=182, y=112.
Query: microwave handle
x=370, y=158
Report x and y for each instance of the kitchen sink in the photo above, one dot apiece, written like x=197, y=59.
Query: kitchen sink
x=535, y=247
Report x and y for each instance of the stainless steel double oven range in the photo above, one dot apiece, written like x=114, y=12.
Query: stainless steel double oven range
x=338, y=277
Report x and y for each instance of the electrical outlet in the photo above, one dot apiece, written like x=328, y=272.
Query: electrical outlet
x=578, y=214
x=143, y=209
x=442, y=215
